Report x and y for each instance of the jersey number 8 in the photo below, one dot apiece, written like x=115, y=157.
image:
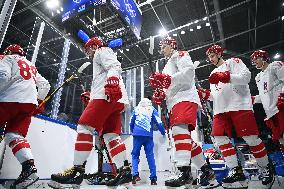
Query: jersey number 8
x=27, y=71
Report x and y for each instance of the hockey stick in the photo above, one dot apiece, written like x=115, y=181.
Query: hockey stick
x=80, y=71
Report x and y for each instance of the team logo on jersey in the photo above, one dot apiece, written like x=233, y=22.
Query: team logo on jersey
x=265, y=86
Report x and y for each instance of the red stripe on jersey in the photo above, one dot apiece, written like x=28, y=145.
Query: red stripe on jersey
x=83, y=147
x=183, y=146
x=196, y=151
x=257, y=148
x=181, y=137
x=20, y=146
x=84, y=137
x=225, y=146
x=117, y=150
x=228, y=153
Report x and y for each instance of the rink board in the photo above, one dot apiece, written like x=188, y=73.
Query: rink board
x=52, y=145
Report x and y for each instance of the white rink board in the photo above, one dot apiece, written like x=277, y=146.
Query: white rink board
x=52, y=145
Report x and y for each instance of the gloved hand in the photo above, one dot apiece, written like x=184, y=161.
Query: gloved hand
x=217, y=77
x=159, y=80
x=85, y=97
x=158, y=96
x=203, y=94
x=112, y=89
x=280, y=103
x=39, y=109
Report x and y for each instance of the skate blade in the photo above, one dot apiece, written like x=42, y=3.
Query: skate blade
x=30, y=180
x=56, y=185
x=125, y=186
x=236, y=185
x=211, y=184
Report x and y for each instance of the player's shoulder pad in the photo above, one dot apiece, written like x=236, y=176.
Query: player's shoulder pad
x=182, y=53
x=277, y=63
x=235, y=60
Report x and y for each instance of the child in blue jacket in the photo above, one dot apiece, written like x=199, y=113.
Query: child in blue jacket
x=142, y=122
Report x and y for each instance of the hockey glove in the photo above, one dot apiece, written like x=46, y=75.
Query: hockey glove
x=204, y=94
x=156, y=80
x=280, y=103
x=39, y=109
x=159, y=80
x=112, y=89
x=85, y=98
x=217, y=77
x=158, y=96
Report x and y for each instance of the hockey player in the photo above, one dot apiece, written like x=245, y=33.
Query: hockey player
x=142, y=121
x=270, y=83
x=176, y=84
x=232, y=108
x=21, y=87
x=103, y=114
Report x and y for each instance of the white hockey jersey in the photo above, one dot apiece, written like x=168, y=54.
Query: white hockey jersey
x=235, y=95
x=105, y=64
x=20, y=81
x=180, y=67
x=270, y=84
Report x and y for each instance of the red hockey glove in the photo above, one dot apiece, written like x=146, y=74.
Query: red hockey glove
x=158, y=96
x=166, y=81
x=85, y=97
x=39, y=109
x=204, y=94
x=155, y=80
x=112, y=89
x=217, y=77
x=280, y=103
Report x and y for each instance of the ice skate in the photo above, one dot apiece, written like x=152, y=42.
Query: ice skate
x=236, y=179
x=268, y=176
x=70, y=178
x=99, y=178
x=27, y=177
x=124, y=176
x=183, y=179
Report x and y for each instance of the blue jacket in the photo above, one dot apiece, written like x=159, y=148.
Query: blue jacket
x=143, y=119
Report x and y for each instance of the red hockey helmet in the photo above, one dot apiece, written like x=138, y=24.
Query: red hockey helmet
x=94, y=41
x=169, y=41
x=259, y=54
x=15, y=49
x=215, y=49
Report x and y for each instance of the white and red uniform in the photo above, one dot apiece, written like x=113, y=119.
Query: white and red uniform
x=100, y=114
x=270, y=84
x=232, y=106
x=20, y=87
x=183, y=101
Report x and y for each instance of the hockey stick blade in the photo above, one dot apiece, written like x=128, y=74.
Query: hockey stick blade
x=83, y=67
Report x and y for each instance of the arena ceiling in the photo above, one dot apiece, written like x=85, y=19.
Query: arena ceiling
x=240, y=26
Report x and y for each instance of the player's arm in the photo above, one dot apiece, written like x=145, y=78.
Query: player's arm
x=239, y=73
x=5, y=72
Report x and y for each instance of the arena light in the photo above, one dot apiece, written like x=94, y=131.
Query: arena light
x=163, y=32
x=205, y=18
x=276, y=56
x=43, y=52
x=207, y=24
x=191, y=29
x=52, y=4
x=182, y=32
x=175, y=34
x=282, y=18
x=198, y=27
x=196, y=21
